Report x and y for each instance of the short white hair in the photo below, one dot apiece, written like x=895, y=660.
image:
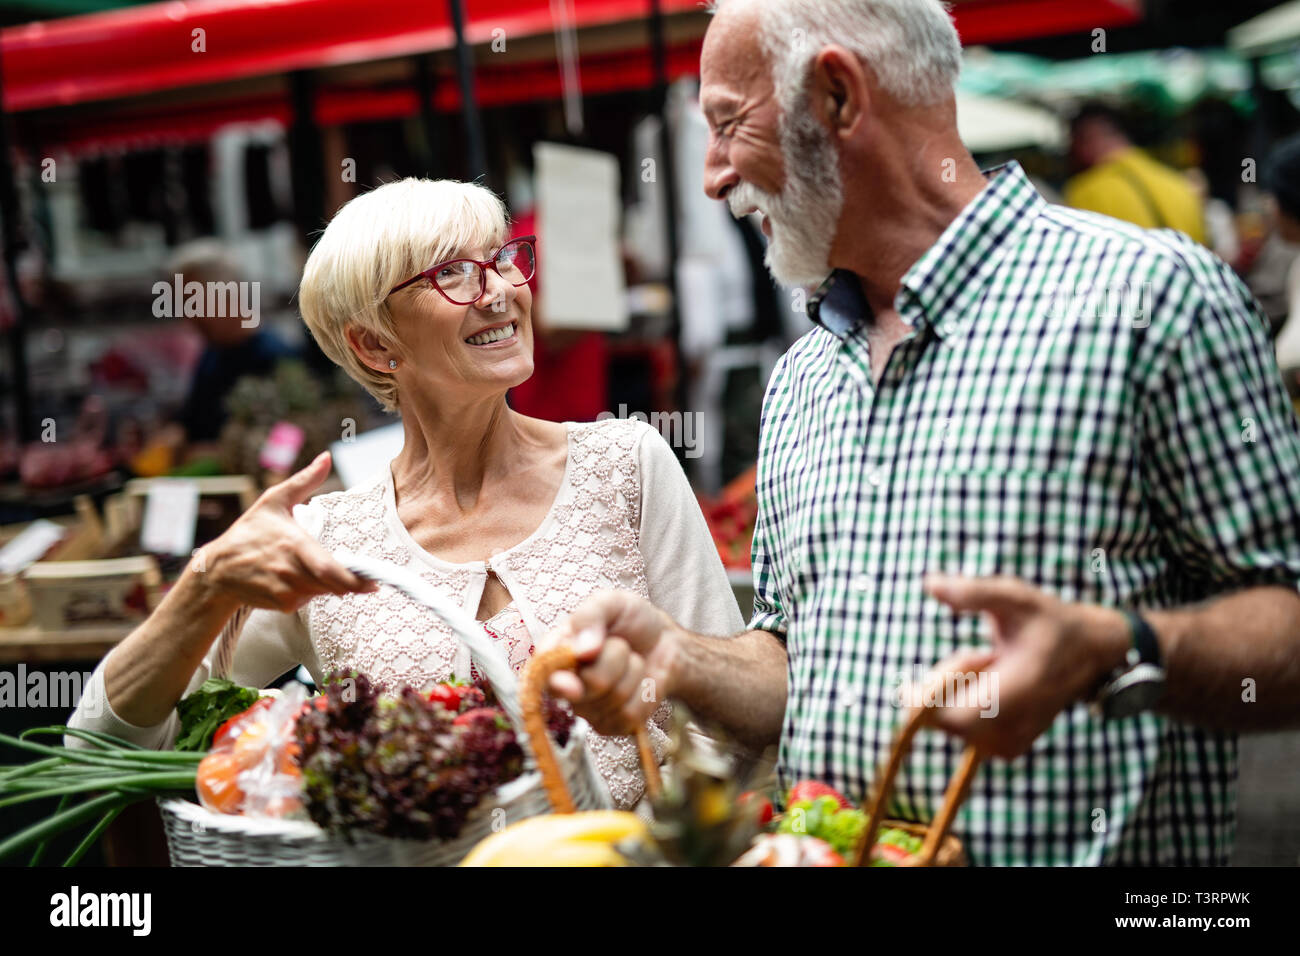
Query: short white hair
x=379, y=240
x=911, y=45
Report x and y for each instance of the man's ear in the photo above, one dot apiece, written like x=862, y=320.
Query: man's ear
x=369, y=348
x=840, y=90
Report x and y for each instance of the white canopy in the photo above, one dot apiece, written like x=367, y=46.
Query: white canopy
x=990, y=124
x=1267, y=33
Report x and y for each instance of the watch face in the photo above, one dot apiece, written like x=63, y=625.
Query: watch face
x=1132, y=693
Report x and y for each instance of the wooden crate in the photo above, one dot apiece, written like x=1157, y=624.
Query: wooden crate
x=72, y=594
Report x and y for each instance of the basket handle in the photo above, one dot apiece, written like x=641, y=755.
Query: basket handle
x=532, y=686
x=917, y=718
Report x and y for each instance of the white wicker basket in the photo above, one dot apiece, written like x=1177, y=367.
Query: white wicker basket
x=562, y=781
x=197, y=836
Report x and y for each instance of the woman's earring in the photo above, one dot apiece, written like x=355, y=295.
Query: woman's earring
x=392, y=363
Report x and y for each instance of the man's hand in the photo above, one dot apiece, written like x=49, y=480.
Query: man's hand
x=625, y=648
x=1047, y=655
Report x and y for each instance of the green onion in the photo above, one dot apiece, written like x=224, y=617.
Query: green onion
x=40, y=847
x=164, y=781
x=59, y=822
x=93, y=835
x=106, y=741
x=27, y=769
x=117, y=760
x=112, y=773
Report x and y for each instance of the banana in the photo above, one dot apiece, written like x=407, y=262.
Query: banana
x=569, y=839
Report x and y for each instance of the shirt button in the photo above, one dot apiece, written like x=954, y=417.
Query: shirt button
x=861, y=583
x=876, y=477
x=950, y=328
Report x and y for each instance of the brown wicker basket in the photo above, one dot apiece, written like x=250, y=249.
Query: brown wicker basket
x=940, y=848
x=532, y=685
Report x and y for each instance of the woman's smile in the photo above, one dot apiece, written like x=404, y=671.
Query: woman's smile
x=496, y=336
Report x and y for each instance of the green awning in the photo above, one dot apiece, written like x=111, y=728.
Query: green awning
x=1167, y=81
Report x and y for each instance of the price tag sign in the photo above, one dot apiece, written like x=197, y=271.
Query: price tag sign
x=171, y=510
x=30, y=545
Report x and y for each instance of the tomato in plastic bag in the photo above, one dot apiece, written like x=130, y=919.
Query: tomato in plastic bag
x=252, y=768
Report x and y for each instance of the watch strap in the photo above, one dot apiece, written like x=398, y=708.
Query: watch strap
x=1144, y=639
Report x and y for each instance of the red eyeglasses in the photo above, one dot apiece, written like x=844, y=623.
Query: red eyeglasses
x=463, y=281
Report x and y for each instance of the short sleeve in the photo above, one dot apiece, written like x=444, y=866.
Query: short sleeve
x=683, y=570
x=769, y=613
x=1220, y=439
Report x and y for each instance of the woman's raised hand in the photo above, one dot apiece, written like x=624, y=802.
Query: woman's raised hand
x=266, y=560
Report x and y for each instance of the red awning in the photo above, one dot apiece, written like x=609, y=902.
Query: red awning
x=1002, y=21
x=171, y=124
x=147, y=48
x=143, y=49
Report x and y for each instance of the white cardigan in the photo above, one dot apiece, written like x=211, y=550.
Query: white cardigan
x=625, y=517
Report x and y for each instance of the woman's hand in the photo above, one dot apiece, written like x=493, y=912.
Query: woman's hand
x=266, y=560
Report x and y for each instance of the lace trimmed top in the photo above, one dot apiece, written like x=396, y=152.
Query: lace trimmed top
x=625, y=517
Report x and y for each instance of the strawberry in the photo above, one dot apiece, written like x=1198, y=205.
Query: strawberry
x=455, y=695
x=319, y=702
x=762, y=806
x=812, y=789
x=446, y=694
x=481, y=713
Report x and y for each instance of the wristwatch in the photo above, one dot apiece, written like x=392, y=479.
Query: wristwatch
x=1137, y=684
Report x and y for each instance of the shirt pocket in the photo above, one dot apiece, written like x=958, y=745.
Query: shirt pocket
x=1024, y=523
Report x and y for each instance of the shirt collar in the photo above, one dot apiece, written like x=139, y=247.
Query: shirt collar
x=838, y=305
x=945, y=280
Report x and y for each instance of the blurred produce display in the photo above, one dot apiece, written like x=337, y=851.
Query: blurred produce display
x=256, y=405
x=731, y=518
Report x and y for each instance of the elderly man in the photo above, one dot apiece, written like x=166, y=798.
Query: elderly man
x=1080, y=416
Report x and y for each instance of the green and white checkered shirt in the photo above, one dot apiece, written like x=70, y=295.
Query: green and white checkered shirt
x=1087, y=405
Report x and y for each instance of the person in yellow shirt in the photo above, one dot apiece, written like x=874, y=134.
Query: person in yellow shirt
x=1120, y=180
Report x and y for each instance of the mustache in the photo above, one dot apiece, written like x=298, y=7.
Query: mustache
x=745, y=196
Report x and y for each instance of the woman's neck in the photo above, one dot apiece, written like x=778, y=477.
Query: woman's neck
x=451, y=452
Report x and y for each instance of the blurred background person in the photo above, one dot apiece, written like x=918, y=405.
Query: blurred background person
x=1282, y=180
x=233, y=346
x=1117, y=179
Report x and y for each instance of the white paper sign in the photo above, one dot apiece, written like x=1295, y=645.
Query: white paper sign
x=367, y=454
x=29, y=545
x=170, y=512
x=582, y=281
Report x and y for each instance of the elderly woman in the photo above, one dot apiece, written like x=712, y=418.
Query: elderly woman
x=418, y=290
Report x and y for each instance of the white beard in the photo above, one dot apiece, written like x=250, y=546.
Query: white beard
x=805, y=215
